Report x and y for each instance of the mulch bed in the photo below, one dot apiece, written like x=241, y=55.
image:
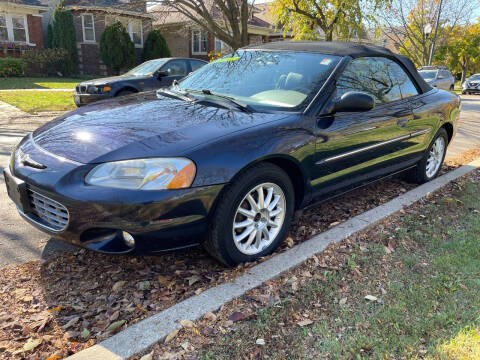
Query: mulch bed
x=51, y=309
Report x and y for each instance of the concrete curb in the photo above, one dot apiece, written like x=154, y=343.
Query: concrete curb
x=145, y=333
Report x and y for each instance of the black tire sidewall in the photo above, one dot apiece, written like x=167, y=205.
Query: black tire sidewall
x=237, y=191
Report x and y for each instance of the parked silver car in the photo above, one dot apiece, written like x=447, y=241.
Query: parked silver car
x=438, y=76
x=471, y=85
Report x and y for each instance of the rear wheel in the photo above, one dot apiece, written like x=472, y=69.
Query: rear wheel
x=431, y=163
x=452, y=87
x=253, y=215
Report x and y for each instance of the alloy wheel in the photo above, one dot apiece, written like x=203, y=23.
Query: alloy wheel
x=435, y=157
x=259, y=218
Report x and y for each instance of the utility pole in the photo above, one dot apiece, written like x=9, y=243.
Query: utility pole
x=432, y=51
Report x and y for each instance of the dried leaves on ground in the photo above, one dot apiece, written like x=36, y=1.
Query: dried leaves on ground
x=54, y=308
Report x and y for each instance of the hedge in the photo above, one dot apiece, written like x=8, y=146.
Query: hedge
x=12, y=67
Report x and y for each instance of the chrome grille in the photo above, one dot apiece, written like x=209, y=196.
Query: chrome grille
x=81, y=89
x=50, y=212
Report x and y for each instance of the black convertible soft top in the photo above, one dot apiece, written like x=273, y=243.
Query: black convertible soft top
x=354, y=50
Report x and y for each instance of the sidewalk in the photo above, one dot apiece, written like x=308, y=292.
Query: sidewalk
x=37, y=90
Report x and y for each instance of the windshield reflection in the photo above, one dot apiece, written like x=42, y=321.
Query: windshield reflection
x=268, y=79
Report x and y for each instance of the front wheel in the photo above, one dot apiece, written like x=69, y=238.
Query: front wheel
x=431, y=163
x=253, y=215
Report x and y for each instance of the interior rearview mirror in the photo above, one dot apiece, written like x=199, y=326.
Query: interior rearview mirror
x=354, y=101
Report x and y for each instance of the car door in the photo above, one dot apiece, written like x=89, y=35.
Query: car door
x=443, y=80
x=356, y=147
x=175, y=69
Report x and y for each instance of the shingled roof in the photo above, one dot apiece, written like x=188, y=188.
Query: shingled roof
x=130, y=6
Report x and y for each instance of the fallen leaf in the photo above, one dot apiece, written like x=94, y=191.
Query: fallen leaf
x=186, y=324
x=290, y=242
x=260, y=342
x=27, y=298
x=115, y=325
x=371, y=298
x=54, y=357
x=31, y=344
x=72, y=322
x=236, y=316
x=55, y=309
x=118, y=286
x=139, y=307
x=171, y=336
x=85, y=333
x=210, y=316
x=143, y=285
x=342, y=301
x=148, y=356
x=304, y=322
x=193, y=279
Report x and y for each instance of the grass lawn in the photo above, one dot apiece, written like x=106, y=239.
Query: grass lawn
x=37, y=101
x=425, y=283
x=40, y=82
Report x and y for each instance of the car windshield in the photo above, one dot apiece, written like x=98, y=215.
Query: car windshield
x=428, y=74
x=263, y=79
x=147, y=68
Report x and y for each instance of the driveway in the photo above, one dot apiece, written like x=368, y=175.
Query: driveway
x=20, y=242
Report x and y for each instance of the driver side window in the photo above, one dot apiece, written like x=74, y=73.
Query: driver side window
x=379, y=77
x=176, y=68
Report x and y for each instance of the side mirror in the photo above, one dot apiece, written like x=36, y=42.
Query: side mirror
x=354, y=101
x=161, y=74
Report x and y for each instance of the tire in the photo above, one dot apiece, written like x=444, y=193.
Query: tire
x=230, y=245
x=452, y=88
x=124, y=93
x=421, y=174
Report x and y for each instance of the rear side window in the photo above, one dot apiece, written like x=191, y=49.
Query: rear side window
x=380, y=77
x=196, y=64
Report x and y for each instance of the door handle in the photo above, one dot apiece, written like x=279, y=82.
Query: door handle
x=403, y=122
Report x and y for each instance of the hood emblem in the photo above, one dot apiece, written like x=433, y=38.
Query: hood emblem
x=26, y=160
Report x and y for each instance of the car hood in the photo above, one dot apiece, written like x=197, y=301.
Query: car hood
x=138, y=126
x=112, y=79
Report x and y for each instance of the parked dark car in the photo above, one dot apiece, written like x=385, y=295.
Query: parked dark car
x=438, y=76
x=471, y=85
x=150, y=75
x=228, y=155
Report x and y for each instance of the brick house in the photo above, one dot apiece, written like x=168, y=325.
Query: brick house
x=187, y=39
x=91, y=17
x=20, y=26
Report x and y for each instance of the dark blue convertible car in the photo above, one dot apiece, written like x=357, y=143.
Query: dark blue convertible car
x=226, y=156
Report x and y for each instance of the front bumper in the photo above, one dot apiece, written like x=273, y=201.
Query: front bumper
x=158, y=220
x=84, y=99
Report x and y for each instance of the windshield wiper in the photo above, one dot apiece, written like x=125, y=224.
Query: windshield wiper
x=176, y=94
x=240, y=104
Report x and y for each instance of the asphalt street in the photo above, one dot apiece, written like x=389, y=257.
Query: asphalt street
x=20, y=242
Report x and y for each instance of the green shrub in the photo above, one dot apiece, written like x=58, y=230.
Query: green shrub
x=64, y=38
x=49, y=39
x=117, y=51
x=12, y=67
x=155, y=46
x=45, y=61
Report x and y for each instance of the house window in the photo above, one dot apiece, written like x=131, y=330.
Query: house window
x=199, y=42
x=220, y=46
x=3, y=28
x=13, y=28
x=88, y=28
x=135, y=30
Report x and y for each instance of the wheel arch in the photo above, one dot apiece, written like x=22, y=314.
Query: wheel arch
x=449, y=129
x=127, y=87
x=291, y=167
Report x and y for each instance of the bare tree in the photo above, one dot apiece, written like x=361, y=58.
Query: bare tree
x=409, y=24
x=226, y=19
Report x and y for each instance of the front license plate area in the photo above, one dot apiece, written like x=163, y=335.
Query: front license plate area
x=17, y=191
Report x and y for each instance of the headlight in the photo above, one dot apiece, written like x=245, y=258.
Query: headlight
x=144, y=174
x=98, y=89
